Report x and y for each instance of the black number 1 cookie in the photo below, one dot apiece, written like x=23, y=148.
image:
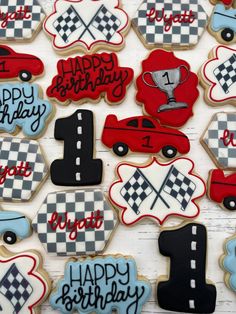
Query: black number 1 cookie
x=78, y=166
x=186, y=289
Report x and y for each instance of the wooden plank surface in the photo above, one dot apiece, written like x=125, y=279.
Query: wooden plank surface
x=139, y=241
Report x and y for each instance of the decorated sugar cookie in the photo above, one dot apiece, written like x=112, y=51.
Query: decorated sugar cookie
x=185, y=289
x=72, y=26
x=223, y=24
x=225, y=2
x=218, y=76
x=222, y=188
x=103, y=283
x=14, y=226
x=79, y=222
x=23, y=169
x=163, y=88
x=156, y=190
x=228, y=263
x=19, y=65
x=24, y=285
x=20, y=20
x=90, y=77
x=143, y=134
x=78, y=167
x=219, y=140
x=171, y=24
x=21, y=107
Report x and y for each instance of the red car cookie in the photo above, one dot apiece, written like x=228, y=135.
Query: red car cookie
x=143, y=134
x=222, y=189
x=163, y=88
x=14, y=65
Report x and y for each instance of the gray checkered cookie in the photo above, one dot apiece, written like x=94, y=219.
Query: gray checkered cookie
x=153, y=33
x=224, y=156
x=14, y=151
x=78, y=205
x=21, y=29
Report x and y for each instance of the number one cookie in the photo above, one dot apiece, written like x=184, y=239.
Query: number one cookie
x=186, y=290
x=78, y=166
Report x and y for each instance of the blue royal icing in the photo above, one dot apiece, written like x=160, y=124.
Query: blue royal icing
x=223, y=18
x=229, y=262
x=20, y=106
x=100, y=286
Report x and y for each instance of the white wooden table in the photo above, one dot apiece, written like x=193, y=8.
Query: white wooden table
x=139, y=241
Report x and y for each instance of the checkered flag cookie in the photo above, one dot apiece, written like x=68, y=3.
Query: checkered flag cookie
x=180, y=187
x=106, y=22
x=21, y=29
x=226, y=73
x=67, y=23
x=15, y=288
x=136, y=190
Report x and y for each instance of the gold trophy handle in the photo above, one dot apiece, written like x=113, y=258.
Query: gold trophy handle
x=188, y=73
x=143, y=77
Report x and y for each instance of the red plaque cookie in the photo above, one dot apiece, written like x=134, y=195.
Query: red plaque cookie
x=163, y=88
x=89, y=77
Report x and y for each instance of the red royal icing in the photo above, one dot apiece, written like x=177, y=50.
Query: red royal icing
x=153, y=98
x=228, y=138
x=23, y=13
x=23, y=170
x=89, y=77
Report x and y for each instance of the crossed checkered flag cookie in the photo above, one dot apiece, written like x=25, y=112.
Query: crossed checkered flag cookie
x=71, y=21
x=15, y=288
x=226, y=73
x=138, y=188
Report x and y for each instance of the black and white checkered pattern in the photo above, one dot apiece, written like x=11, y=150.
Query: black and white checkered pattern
x=67, y=23
x=106, y=22
x=15, y=288
x=13, y=151
x=179, y=34
x=226, y=73
x=180, y=187
x=136, y=190
x=21, y=29
x=224, y=155
x=78, y=204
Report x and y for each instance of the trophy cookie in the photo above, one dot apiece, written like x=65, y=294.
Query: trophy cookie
x=23, y=169
x=186, y=288
x=219, y=140
x=24, y=285
x=23, y=108
x=78, y=166
x=227, y=263
x=222, y=188
x=156, y=190
x=223, y=24
x=171, y=24
x=89, y=78
x=218, y=76
x=23, y=66
x=20, y=20
x=77, y=222
x=105, y=283
x=74, y=27
x=14, y=226
x=163, y=88
x=143, y=134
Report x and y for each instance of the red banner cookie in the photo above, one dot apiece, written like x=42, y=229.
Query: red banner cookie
x=163, y=88
x=81, y=79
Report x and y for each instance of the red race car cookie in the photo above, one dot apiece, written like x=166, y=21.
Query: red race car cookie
x=227, y=3
x=143, y=134
x=87, y=78
x=19, y=65
x=163, y=88
x=222, y=188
